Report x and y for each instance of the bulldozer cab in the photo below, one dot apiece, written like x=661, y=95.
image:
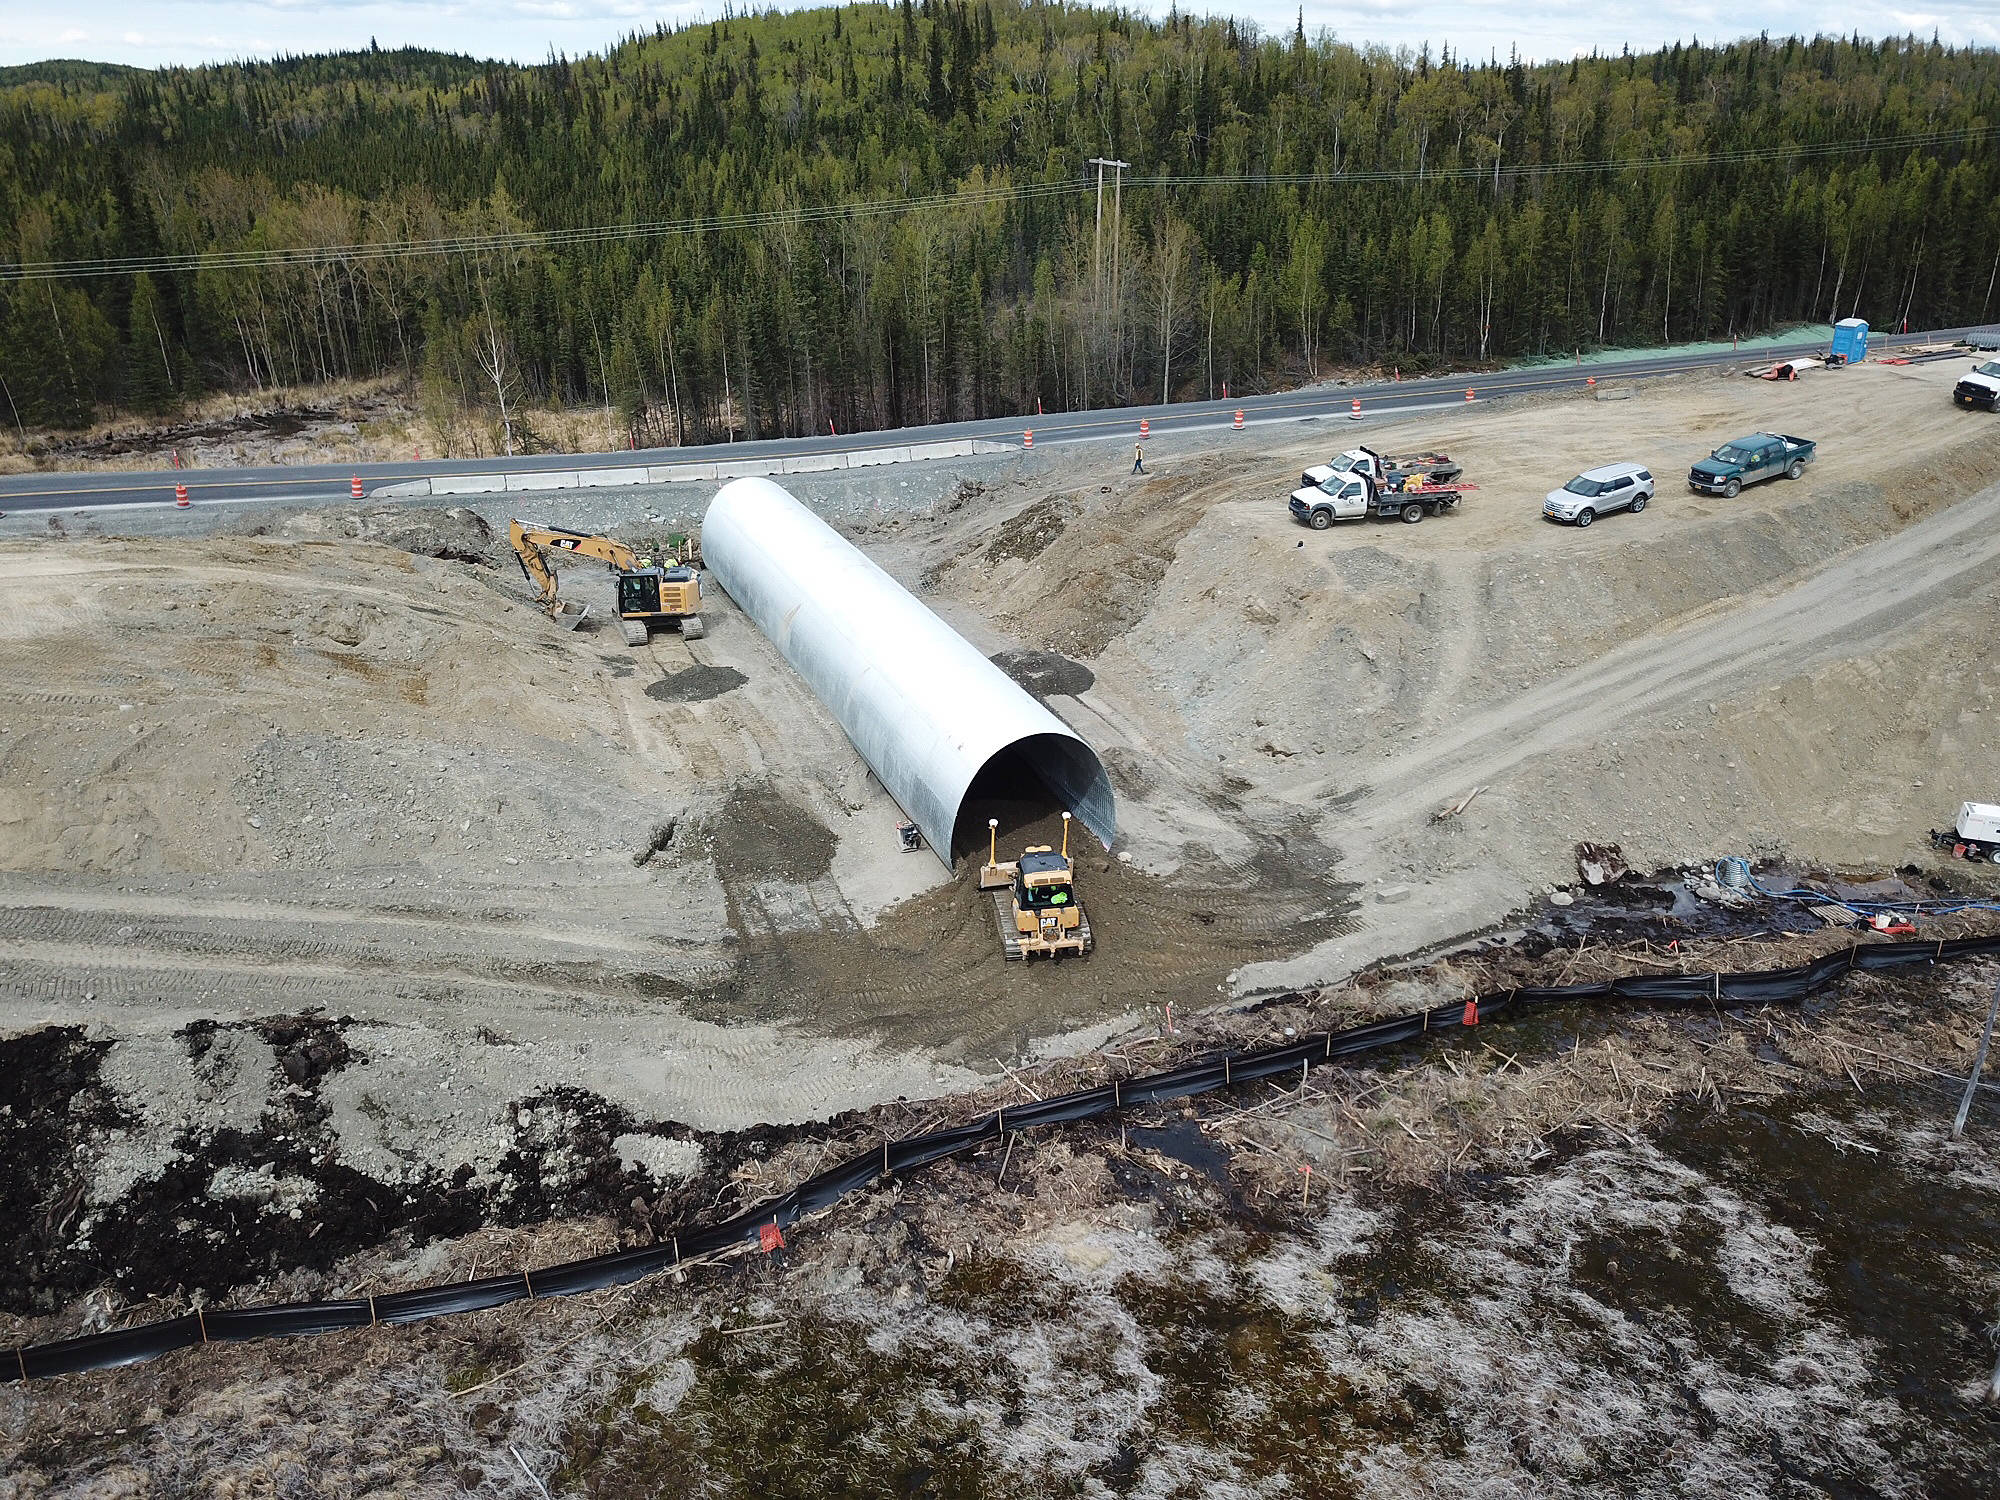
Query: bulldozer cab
x=1042, y=882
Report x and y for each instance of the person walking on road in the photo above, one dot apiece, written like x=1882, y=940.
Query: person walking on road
x=1138, y=459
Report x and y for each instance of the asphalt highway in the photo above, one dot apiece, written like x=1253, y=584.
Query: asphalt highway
x=325, y=483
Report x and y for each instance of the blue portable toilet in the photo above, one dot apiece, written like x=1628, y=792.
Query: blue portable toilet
x=1850, y=341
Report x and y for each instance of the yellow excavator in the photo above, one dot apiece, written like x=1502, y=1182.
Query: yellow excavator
x=647, y=592
x=1034, y=898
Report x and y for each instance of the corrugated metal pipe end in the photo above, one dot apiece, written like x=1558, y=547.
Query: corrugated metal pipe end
x=924, y=708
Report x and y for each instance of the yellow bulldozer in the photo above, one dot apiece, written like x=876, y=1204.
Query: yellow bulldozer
x=648, y=593
x=1034, y=898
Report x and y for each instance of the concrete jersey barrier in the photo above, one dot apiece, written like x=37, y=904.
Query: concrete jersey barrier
x=680, y=473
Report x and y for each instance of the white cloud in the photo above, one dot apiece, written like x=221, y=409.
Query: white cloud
x=190, y=31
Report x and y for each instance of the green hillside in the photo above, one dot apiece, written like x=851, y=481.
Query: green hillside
x=1461, y=210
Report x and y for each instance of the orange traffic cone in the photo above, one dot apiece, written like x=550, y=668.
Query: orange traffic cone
x=1355, y=413
x=1145, y=428
x=354, y=489
x=1468, y=393
x=180, y=497
x=1028, y=438
x=1239, y=421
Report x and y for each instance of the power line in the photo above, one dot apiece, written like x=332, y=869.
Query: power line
x=1004, y=194
x=531, y=239
x=1628, y=164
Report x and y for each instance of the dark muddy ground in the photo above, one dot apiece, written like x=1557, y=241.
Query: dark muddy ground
x=1160, y=941
x=1662, y=910
x=232, y=1205
x=696, y=684
x=1046, y=674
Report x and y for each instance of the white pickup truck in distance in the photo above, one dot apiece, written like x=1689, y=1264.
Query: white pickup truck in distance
x=1362, y=483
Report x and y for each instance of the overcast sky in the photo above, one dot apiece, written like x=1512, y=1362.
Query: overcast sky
x=181, y=31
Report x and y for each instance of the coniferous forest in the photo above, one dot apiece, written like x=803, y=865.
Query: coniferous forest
x=877, y=215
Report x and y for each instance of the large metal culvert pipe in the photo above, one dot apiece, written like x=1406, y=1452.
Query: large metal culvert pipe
x=924, y=708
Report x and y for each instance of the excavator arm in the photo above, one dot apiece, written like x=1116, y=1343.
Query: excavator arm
x=603, y=548
x=647, y=593
x=529, y=541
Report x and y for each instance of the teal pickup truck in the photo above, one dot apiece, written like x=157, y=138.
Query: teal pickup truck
x=1762, y=455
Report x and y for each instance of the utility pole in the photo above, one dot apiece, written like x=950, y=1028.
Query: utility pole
x=1118, y=169
x=1097, y=241
x=1117, y=261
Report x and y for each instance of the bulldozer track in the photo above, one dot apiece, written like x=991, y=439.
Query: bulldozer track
x=1003, y=911
x=1010, y=938
x=262, y=981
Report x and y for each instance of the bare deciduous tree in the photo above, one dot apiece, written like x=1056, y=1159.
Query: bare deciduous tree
x=494, y=353
x=1173, y=280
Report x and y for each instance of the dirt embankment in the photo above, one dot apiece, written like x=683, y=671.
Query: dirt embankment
x=246, y=776
x=355, y=421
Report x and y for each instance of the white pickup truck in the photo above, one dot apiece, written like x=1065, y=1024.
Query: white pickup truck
x=1979, y=386
x=1362, y=483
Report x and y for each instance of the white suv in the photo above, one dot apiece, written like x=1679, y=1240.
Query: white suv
x=1595, y=491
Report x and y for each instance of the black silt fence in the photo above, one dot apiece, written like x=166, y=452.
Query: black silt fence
x=101, y=1351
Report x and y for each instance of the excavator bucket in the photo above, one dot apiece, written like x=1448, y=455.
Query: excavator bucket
x=568, y=615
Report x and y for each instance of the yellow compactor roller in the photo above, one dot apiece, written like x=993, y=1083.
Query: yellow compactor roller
x=647, y=592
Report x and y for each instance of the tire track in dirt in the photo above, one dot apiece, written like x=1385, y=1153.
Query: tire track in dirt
x=1885, y=583
x=329, y=968
x=98, y=918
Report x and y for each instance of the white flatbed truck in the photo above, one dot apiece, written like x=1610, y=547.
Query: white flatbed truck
x=1362, y=484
